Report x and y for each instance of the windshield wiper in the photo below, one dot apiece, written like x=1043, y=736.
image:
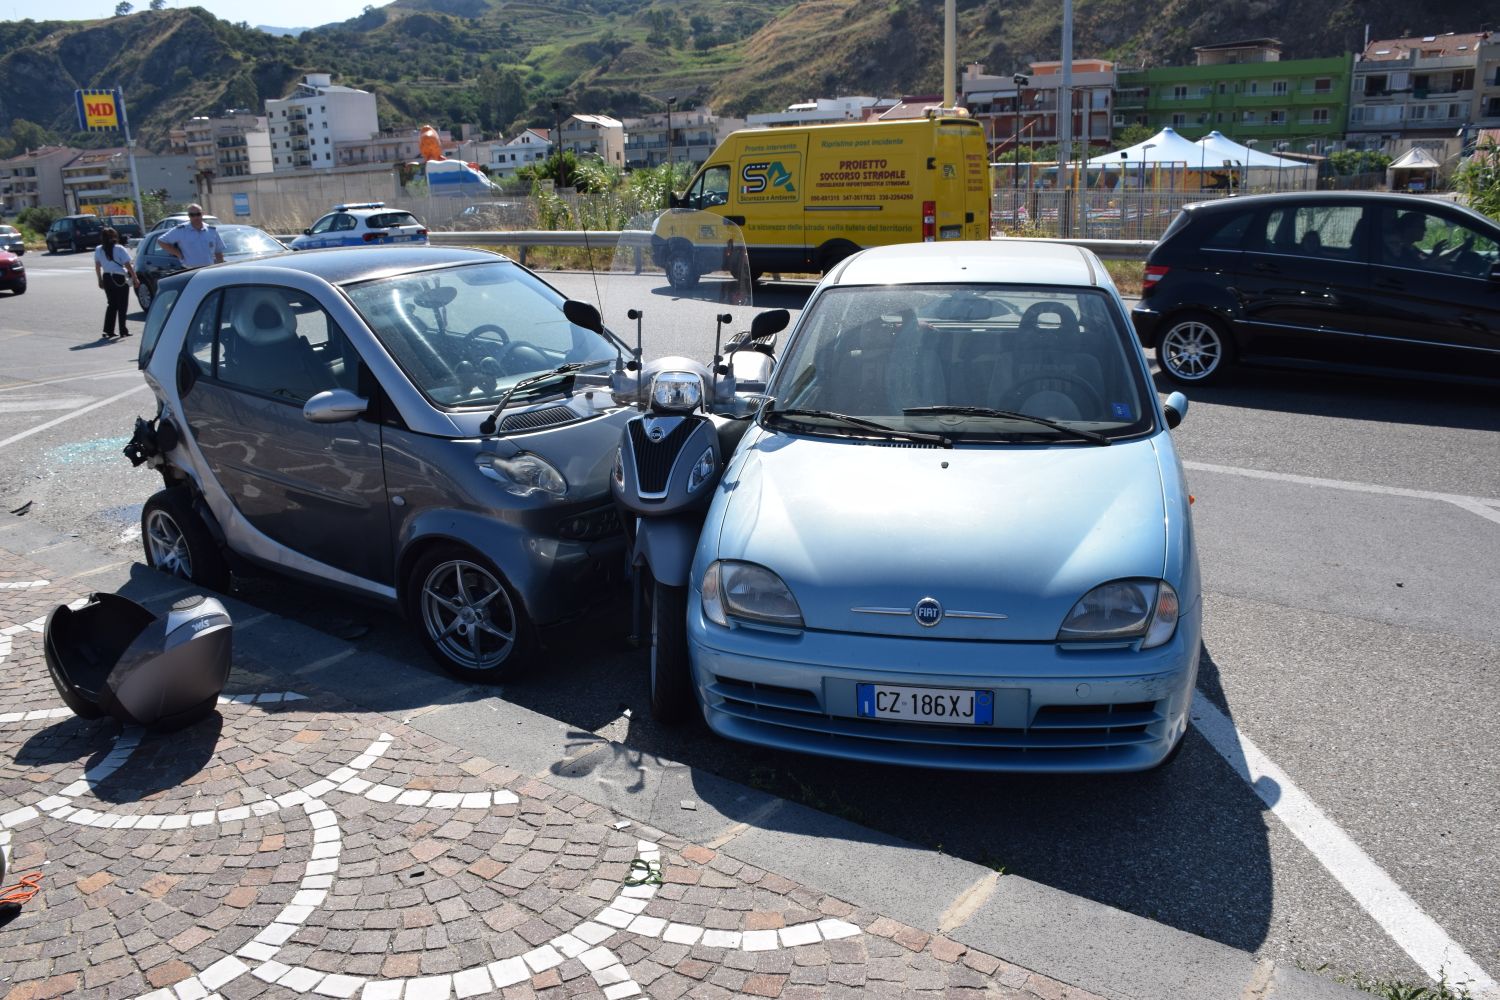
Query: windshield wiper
x=860, y=422
x=985, y=411
x=488, y=427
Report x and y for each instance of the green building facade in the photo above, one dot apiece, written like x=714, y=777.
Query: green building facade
x=1296, y=105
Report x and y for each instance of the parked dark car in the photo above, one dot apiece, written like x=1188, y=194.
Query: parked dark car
x=75, y=232
x=127, y=226
x=11, y=240
x=1379, y=283
x=152, y=263
x=12, y=273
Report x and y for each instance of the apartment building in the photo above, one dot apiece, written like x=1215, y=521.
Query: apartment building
x=99, y=179
x=1419, y=92
x=1030, y=109
x=1486, y=113
x=693, y=136
x=33, y=178
x=1245, y=90
x=594, y=134
x=234, y=144
x=526, y=149
x=305, y=125
x=390, y=146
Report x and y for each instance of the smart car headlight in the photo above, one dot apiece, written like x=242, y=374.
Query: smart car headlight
x=733, y=589
x=1123, y=610
x=524, y=474
x=676, y=392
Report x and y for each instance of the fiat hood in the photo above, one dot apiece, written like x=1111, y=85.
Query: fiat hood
x=1016, y=531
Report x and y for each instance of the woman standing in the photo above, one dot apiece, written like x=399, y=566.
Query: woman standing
x=116, y=276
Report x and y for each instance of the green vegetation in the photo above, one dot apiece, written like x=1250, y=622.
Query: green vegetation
x=1358, y=161
x=1478, y=179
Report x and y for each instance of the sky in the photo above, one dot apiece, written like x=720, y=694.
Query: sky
x=280, y=13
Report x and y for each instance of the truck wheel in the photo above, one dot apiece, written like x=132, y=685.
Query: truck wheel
x=682, y=270
x=469, y=619
x=178, y=543
x=672, y=699
x=830, y=253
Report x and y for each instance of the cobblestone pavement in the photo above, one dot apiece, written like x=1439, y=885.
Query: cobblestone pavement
x=294, y=845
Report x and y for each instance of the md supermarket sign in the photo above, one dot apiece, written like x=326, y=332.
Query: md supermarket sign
x=99, y=110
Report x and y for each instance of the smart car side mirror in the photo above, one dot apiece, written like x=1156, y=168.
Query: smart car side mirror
x=1176, y=408
x=333, y=406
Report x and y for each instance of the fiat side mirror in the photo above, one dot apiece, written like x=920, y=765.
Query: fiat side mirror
x=1176, y=408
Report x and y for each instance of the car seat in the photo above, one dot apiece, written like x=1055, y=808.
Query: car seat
x=1050, y=373
x=915, y=373
x=268, y=356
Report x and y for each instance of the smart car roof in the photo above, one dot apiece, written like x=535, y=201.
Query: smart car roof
x=339, y=265
x=1021, y=262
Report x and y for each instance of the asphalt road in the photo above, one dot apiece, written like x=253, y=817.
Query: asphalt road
x=1350, y=533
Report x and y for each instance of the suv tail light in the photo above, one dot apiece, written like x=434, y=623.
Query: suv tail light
x=929, y=221
x=1154, y=274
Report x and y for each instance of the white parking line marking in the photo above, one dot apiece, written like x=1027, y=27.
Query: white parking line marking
x=28, y=383
x=1483, y=506
x=46, y=403
x=76, y=413
x=1413, y=930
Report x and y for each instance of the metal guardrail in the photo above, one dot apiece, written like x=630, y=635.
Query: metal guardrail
x=640, y=240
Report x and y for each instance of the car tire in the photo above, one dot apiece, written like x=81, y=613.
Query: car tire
x=144, y=293
x=682, y=269
x=178, y=543
x=19, y=289
x=672, y=699
x=1194, y=349
x=453, y=595
x=832, y=252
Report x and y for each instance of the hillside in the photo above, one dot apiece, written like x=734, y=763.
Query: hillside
x=501, y=63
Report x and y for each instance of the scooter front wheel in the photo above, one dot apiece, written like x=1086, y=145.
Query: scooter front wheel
x=672, y=700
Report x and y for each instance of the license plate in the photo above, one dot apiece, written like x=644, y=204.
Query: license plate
x=921, y=704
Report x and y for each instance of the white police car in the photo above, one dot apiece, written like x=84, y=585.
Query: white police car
x=367, y=223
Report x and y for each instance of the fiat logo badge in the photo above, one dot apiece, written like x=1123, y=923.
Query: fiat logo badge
x=928, y=612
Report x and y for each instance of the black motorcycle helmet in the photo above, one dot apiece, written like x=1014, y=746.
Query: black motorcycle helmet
x=114, y=657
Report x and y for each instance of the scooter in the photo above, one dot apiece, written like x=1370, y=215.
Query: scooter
x=669, y=462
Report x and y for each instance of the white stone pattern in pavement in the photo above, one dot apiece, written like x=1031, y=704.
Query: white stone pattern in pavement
x=258, y=958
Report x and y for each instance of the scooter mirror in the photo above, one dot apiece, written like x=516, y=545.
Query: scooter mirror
x=584, y=315
x=768, y=324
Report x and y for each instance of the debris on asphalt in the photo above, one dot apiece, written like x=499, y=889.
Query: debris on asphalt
x=22, y=510
x=689, y=804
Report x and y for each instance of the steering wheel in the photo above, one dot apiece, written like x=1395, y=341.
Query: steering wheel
x=520, y=357
x=484, y=328
x=1023, y=389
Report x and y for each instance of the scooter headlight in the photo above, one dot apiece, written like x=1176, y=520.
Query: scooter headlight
x=676, y=392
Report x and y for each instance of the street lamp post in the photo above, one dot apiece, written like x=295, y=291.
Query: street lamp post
x=1250, y=143
x=1146, y=155
x=670, y=101
x=1020, y=80
x=557, y=172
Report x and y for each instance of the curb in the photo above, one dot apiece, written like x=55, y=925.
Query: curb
x=1056, y=934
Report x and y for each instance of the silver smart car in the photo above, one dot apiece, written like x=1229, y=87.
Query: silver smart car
x=421, y=425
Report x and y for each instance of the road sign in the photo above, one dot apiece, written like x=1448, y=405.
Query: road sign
x=98, y=110
x=241, y=204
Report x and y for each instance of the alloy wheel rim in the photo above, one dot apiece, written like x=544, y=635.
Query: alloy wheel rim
x=1192, y=350
x=169, y=548
x=681, y=268
x=468, y=614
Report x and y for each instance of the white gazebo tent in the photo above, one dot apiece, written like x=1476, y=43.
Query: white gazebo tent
x=1414, y=170
x=1254, y=168
x=1166, y=150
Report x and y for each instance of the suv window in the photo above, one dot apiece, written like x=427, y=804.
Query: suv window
x=1229, y=234
x=1431, y=242
x=1328, y=232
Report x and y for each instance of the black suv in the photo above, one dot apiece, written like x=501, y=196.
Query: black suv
x=1382, y=283
x=75, y=232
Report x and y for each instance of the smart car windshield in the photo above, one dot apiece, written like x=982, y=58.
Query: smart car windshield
x=466, y=334
x=968, y=362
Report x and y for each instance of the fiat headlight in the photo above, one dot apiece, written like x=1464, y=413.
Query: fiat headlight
x=1124, y=610
x=733, y=589
x=676, y=392
x=524, y=474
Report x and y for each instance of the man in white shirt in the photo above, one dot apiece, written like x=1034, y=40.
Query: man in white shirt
x=193, y=243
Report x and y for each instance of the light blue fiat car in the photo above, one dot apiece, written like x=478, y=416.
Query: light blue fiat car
x=958, y=534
